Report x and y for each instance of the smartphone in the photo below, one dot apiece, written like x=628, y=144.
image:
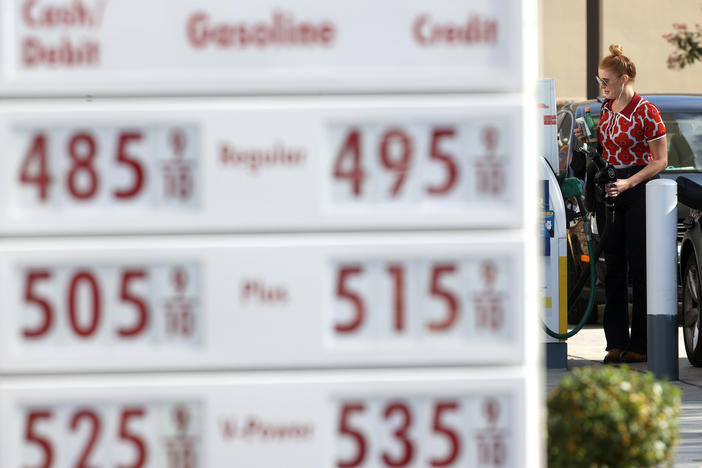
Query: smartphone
x=580, y=122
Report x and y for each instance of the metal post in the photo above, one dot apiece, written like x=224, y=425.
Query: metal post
x=593, y=52
x=661, y=278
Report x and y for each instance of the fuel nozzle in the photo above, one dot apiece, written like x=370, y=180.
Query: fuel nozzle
x=605, y=175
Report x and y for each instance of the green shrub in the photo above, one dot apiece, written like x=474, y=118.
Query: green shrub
x=612, y=417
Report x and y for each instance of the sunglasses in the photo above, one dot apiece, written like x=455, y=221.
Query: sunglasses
x=602, y=81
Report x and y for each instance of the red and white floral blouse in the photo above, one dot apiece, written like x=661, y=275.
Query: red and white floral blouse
x=624, y=136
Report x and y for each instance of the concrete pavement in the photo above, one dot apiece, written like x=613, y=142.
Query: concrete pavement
x=587, y=348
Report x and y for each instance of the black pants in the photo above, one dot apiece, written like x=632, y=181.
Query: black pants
x=625, y=257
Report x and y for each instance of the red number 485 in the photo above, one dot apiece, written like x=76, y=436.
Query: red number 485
x=82, y=179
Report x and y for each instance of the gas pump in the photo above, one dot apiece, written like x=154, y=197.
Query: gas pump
x=555, y=263
x=556, y=188
x=554, y=231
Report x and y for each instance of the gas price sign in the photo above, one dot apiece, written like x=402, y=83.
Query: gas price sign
x=211, y=303
x=267, y=234
x=237, y=165
x=380, y=419
x=196, y=47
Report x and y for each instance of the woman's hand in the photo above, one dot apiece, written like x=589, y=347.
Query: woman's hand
x=613, y=189
x=579, y=135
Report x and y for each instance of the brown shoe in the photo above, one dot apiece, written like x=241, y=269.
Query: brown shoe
x=631, y=356
x=613, y=356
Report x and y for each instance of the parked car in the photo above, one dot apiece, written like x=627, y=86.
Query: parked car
x=682, y=115
x=691, y=295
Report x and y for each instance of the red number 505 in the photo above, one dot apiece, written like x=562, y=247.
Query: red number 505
x=83, y=278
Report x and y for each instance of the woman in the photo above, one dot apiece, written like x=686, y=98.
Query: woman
x=632, y=136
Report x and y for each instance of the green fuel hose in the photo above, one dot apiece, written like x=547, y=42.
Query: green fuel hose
x=572, y=188
x=591, y=301
x=593, y=257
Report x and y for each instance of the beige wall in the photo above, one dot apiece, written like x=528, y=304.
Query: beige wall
x=635, y=24
x=563, y=46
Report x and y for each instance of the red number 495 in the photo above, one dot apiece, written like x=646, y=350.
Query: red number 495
x=396, y=151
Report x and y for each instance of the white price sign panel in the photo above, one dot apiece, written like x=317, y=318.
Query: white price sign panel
x=450, y=419
x=210, y=47
x=119, y=167
x=213, y=303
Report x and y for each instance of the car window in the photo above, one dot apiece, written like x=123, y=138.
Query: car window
x=684, y=135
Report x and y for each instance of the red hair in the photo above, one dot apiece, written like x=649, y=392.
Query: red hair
x=618, y=62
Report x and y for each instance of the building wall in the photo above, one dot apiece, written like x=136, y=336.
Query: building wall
x=563, y=46
x=635, y=24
